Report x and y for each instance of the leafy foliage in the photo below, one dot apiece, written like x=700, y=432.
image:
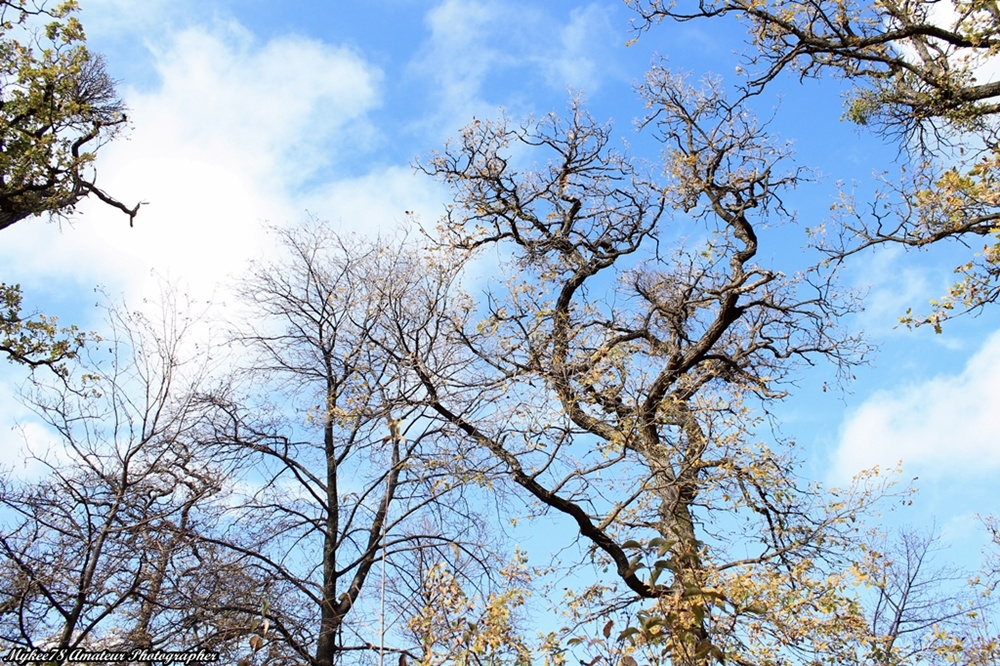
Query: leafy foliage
x=58, y=106
x=36, y=340
x=454, y=628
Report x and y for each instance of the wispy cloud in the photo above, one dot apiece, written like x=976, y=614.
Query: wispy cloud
x=272, y=108
x=577, y=57
x=945, y=426
x=472, y=43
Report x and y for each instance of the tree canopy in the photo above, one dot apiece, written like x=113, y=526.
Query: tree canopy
x=914, y=63
x=58, y=106
x=920, y=74
x=612, y=372
x=594, y=337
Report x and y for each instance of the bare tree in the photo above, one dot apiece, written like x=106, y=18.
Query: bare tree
x=344, y=481
x=921, y=611
x=102, y=550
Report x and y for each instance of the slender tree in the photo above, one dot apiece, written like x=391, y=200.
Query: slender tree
x=345, y=480
x=924, y=612
x=102, y=549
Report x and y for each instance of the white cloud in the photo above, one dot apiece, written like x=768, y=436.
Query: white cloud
x=947, y=425
x=578, y=59
x=471, y=41
x=463, y=28
x=381, y=198
x=33, y=451
x=894, y=281
x=456, y=59
x=272, y=110
x=224, y=143
x=896, y=285
x=24, y=440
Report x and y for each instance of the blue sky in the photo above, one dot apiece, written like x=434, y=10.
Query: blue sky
x=259, y=111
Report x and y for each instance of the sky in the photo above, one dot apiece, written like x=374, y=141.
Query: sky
x=253, y=113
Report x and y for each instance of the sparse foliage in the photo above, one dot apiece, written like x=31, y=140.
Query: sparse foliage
x=613, y=373
x=323, y=501
x=914, y=63
x=917, y=68
x=102, y=548
x=452, y=627
x=344, y=481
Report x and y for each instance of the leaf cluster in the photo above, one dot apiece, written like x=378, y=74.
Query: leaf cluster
x=58, y=107
x=37, y=340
